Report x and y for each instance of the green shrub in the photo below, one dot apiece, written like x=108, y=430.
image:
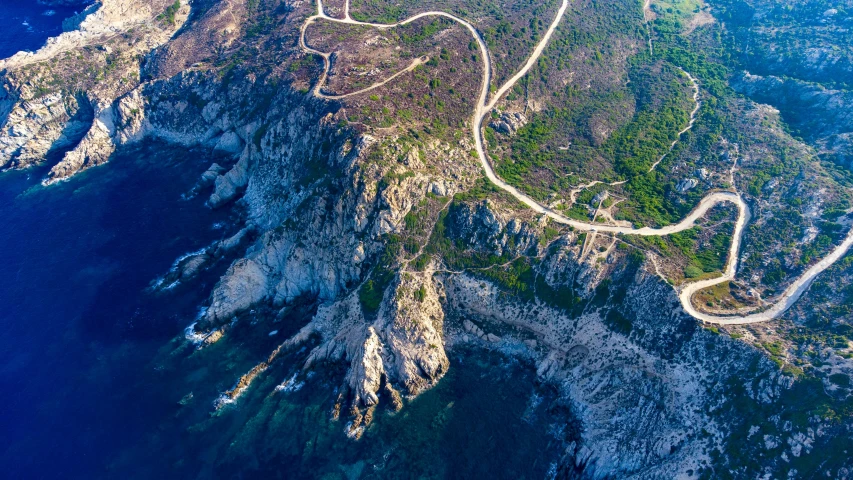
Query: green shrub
x=420, y=294
x=692, y=271
x=168, y=16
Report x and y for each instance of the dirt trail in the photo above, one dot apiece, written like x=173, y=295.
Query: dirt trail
x=693, y=113
x=484, y=107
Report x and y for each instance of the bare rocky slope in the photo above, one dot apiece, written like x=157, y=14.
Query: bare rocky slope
x=394, y=238
x=799, y=60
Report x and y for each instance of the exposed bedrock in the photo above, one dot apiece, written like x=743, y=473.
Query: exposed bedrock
x=319, y=252
x=82, y=106
x=403, y=347
x=322, y=198
x=655, y=380
x=625, y=351
x=823, y=116
x=34, y=129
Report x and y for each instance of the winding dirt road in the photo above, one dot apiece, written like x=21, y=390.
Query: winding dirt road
x=485, y=106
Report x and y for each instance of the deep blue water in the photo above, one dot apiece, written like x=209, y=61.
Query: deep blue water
x=97, y=380
x=25, y=25
x=77, y=326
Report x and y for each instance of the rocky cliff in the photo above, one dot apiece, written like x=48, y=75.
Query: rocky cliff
x=76, y=96
x=798, y=59
x=821, y=114
x=389, y=231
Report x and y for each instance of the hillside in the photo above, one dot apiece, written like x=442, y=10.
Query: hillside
x=647, y=205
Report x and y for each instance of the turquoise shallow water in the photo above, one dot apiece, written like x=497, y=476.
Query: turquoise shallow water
x=484, y=420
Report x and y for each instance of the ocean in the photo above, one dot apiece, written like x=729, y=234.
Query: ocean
x=98, y=380
x=26, y=25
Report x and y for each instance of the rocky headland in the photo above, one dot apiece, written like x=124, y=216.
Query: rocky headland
x=393, y=236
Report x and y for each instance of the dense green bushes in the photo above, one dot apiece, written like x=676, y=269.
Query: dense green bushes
x=168, y=16
x=662, y=100
x=373, y=289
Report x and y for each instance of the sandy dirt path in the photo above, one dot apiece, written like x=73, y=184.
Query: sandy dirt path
x=485, y=106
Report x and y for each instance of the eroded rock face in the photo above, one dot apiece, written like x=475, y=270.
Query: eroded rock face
x=227, y=186
x=403, y=348
x=366, y=370
x=40, y=126
x=94, y=149
x=509, y=123
x=411, y=322
x=651, y=379
x=288, y=263
x=650, y=376
x=818, y=111
x=245, y=284
x=87, y=104
x=321, y=199
x=482, y=227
